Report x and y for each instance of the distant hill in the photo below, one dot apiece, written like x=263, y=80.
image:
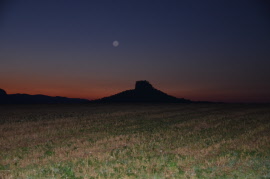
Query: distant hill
x=143, y=92
x=35, y=99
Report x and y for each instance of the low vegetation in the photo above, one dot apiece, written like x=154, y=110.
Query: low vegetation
x=135, y=141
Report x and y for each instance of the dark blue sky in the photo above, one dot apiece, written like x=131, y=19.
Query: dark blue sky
x=201, y=50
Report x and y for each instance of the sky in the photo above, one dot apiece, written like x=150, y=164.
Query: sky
x=200, y=50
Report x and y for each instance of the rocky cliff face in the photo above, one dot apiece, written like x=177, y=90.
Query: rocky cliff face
x=143, y=86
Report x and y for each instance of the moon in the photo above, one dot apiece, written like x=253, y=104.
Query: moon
x=115, y=43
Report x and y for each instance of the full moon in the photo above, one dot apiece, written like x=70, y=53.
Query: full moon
x=115, y=43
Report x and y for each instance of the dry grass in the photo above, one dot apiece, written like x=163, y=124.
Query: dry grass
x=135, y=141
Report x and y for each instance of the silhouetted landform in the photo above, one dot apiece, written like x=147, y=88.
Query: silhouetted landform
x=35, y=99
x=143, y=92
x=3, y=92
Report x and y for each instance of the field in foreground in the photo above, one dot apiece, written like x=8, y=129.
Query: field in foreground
x=135, y=141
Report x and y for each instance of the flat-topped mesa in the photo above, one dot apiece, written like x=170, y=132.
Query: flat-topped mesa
x=144, y=92
x=143, y=86
x=2, y=92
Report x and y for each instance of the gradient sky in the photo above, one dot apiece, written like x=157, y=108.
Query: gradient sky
x=199, y=50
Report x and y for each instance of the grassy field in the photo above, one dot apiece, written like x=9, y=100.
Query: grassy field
x=135, y=141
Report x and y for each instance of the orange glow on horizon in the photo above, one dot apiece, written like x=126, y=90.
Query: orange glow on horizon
x=98, y=93
x=96, y=90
